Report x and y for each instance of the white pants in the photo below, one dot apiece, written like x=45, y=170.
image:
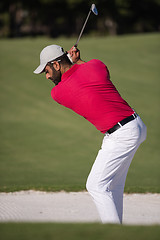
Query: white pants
x=106, y=180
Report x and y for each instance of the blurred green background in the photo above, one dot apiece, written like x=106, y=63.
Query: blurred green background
x=56, y=18
x=48, y=147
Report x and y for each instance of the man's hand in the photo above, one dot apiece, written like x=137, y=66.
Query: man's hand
x=75, y=55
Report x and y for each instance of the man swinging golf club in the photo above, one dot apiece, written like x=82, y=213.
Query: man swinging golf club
x=86, y=88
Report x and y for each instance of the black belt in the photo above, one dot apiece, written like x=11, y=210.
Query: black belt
x=121, y=123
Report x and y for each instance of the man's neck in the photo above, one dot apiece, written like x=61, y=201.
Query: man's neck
x=66, y=68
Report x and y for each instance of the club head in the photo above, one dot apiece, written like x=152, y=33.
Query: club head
x=94, y=9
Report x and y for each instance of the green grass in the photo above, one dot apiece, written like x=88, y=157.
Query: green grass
x=49, y=231
x=48, y=147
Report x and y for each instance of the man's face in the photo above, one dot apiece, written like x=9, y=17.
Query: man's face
x=52, y=74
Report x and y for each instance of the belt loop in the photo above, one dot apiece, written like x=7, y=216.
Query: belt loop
x=119, y=124
x=134, y=115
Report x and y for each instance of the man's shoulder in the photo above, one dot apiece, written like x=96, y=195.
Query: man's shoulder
x=95, y=61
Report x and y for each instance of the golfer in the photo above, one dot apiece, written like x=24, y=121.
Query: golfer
x=86, y=88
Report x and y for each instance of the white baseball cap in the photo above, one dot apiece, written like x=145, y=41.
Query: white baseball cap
x=48, y=54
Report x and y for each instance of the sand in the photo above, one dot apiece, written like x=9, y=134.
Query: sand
x=36, y=206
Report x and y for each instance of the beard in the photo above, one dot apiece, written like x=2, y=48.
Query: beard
x=56, y=76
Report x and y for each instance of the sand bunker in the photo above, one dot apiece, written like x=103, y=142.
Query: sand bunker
x=36, y=206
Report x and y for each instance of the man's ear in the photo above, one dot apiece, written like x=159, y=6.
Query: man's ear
x=56, y=66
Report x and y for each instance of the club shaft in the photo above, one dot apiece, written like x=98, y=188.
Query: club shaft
x=82, y=29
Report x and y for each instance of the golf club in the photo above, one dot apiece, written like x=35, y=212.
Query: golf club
x=92, y=9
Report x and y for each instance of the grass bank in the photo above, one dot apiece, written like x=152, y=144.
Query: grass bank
x=47, y=147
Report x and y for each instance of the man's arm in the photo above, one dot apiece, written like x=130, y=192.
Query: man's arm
x=75, y=55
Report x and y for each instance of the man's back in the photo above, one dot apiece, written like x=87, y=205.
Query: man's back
x=87, y=90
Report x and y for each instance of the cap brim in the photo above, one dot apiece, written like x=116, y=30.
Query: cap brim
x=40, y=69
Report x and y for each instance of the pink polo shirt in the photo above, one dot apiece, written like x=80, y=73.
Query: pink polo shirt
x=88, y=91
